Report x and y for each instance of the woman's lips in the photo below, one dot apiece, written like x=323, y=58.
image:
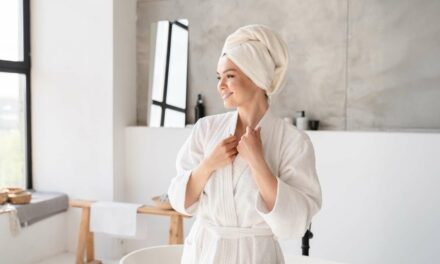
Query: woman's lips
x=225, y=96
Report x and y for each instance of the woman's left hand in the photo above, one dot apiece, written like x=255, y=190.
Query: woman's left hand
x=250, y=146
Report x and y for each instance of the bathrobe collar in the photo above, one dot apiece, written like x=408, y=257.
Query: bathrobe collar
x=266, y=123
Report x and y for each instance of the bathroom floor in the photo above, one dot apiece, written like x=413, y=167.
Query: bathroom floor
x=69, y=258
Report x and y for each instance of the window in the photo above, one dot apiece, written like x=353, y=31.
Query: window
x=15, y=123
x=169, y=76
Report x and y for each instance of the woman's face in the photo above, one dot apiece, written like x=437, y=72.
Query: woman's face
x=235, y=88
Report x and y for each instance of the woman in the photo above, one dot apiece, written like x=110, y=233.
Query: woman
x=248, y=176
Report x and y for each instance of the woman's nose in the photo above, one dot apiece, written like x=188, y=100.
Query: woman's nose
x=221, y=84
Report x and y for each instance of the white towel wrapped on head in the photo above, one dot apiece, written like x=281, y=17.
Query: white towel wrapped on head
x=261, y=54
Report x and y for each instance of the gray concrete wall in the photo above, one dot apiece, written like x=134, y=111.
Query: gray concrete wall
x=354, y=65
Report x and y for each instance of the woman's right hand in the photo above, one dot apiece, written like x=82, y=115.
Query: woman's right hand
x=223, y=154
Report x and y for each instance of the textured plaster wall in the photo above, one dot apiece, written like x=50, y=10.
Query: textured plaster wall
x=354, y=65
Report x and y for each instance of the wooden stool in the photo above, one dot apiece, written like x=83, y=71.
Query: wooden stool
x=85, y=239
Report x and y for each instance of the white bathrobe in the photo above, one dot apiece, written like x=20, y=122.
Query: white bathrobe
x=232, y=223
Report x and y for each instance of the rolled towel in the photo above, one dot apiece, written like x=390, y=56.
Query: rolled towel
x=114, y=218
x=261, y=54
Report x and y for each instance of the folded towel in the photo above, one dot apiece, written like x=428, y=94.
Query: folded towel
x=118, y=219
x=14, y=223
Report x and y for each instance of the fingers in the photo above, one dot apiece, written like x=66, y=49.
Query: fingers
x=229, y=139
x=232, y=152
x=257, y=130
x=230, y=145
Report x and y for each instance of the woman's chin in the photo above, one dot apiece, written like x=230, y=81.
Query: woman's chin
x=228, y=105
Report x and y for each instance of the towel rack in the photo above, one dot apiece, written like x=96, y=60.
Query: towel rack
x=85, y=244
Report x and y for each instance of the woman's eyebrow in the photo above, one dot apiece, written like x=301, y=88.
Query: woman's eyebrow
x=228, y=70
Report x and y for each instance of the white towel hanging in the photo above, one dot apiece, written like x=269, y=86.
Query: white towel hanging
x=117, y=219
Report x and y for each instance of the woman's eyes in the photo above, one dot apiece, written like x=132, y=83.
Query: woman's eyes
x=227, y=76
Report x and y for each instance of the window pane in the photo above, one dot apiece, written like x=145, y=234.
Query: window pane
x=177, y=73
x=160, y=60
x=12, y=130
x=155, y=115
x=11, y=30
x=174, y=118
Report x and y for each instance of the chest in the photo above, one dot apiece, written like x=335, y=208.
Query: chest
x=237, y=176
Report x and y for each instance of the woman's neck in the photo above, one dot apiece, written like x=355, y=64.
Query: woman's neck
x=251, y=114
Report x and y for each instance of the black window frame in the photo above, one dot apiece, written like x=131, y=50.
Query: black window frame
x=24, y=67
x=164, y=105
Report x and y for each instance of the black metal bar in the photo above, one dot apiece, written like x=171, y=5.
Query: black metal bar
x=27, y=61
x=29, y=178
x=13, y=66
x=165, y=88
x=177, y=23
x=27, y=32
x=164, y=105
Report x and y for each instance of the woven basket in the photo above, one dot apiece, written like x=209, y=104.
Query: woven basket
x=3, y=197
x=22, y=197
x=161, y=204
x=11, y=190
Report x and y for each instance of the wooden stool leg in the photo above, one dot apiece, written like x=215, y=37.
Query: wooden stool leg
x=90, y=247
x=176, y=230
x=83, y=230
x=85, y=241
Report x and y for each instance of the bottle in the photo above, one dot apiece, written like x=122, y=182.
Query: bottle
x=302, y=121
x=199, y=109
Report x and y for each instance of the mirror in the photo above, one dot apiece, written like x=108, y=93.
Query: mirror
x=168, y=73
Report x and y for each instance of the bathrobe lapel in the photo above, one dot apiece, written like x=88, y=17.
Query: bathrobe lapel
x=227, y=252
x=266, y=123
x=226, y=181
x=225, y=184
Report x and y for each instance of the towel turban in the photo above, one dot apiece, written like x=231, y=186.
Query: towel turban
x=261, y=54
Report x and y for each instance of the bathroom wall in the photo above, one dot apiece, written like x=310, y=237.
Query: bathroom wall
x=355, y=65
x=83, y=97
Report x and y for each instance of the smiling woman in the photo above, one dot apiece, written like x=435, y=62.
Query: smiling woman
x=247, y=175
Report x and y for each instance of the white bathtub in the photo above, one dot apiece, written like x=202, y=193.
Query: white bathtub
x=171, y=254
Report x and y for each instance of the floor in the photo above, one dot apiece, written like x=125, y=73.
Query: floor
x=69, y=258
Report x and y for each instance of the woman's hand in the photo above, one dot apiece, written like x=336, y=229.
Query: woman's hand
x=223, y=154
x=250, y=146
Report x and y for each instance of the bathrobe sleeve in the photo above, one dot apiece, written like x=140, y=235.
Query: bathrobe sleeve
x=298, y=191
x=189, y=157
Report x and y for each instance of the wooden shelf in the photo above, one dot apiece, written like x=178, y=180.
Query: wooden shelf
x=85, y=247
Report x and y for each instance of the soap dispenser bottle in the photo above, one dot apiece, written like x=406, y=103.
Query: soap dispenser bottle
x=199, y=109
x=302, y=121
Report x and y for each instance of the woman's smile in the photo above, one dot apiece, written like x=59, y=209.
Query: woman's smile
x=226, y=95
